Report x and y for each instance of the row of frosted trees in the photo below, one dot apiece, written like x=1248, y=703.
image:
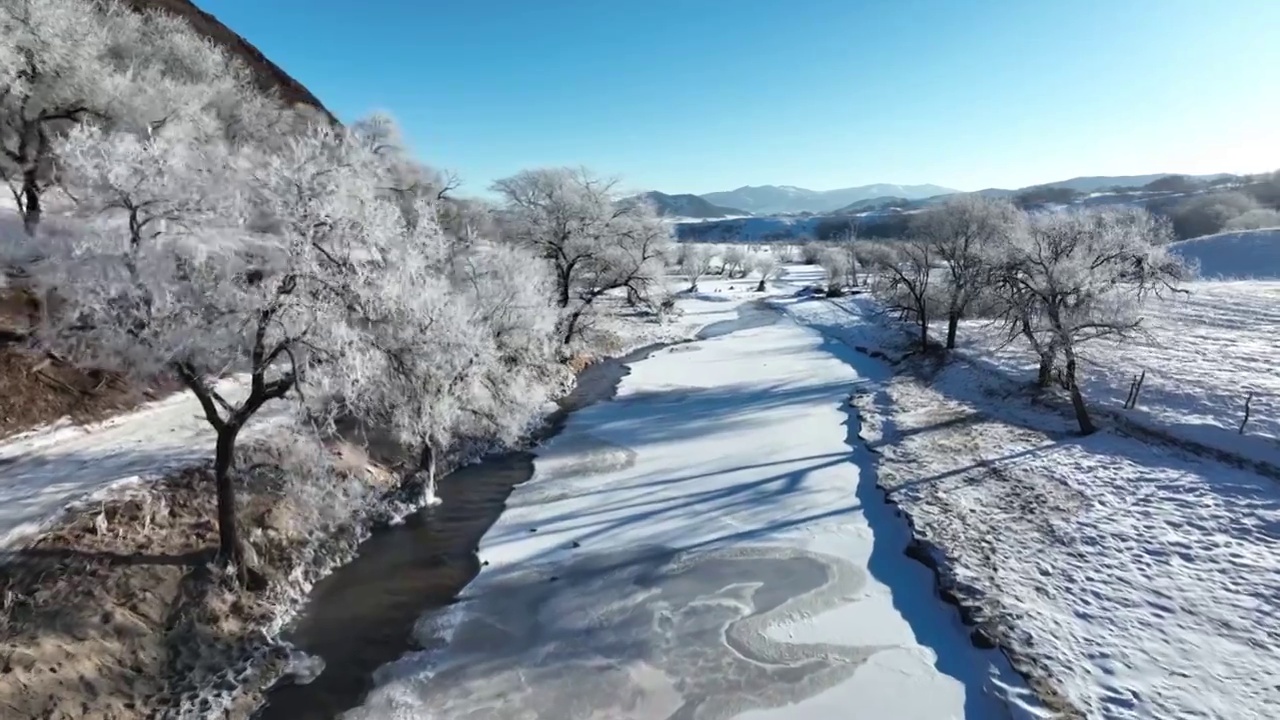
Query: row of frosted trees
x=210, y=232
x=1053, y=280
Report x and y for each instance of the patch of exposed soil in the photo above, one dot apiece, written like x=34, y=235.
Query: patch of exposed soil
x=37, y=389
x=118, y=613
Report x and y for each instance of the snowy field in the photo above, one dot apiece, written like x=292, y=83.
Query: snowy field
x=705, y=546
x=1203, y=354
x=1138, y=580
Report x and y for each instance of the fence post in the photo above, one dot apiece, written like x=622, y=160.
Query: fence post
x=1247, y=400
x=1137, y=390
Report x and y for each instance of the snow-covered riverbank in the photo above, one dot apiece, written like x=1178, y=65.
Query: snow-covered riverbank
x=1129, y=579
x=711, y=544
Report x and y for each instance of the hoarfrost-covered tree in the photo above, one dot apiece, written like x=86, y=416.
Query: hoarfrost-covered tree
x=431, y=349
x=695, y=261
x=463, y=344
x=839, y=265
x=733, y=260
x=101, y=63
x=54, y=73
x=907, y=269
x=632, y=257
x=510, y=294
x=592, y=244
x=766, y=266
x=174, y=178
x=564, y=215
x=281, y=304
x=962, y=234
x=402, y=176
x=1076, y=276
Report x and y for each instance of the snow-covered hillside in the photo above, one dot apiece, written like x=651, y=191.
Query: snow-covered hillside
x=1246, y=255
x=769, y=199
x=749, y=229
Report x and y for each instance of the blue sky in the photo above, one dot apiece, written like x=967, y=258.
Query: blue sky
x=703, y=95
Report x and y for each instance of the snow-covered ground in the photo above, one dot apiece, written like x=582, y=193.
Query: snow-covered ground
x=1203, y=354
x=43, y=471
x=1139, y=580
x=708, y=545
x=1248, y=254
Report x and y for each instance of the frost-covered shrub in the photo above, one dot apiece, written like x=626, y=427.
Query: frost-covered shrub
x=766, y=266
x=695, y=260
x=733, y=261
x=811, y=253
x=786, y=253
x=592, y=244
x=1254, y=220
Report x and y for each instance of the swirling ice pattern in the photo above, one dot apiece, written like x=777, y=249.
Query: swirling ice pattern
x=643, y=635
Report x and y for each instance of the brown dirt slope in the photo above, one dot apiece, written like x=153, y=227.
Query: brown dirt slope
x=117, y=613
x=36, y=389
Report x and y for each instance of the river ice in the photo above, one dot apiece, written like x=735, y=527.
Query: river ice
x=708, y=545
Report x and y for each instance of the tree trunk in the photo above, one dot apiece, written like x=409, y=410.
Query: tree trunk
x=31, y=209
x=953, y=322
x=924, y=333
x=229, y=548
x=562, y=292
x=1044, y=375
x=571, y=325
x=760, y=286
x=1077, y=400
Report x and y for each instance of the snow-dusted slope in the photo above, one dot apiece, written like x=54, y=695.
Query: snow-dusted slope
x=1141, y=580
x=44, y=471
x=1246, y=255
x=705, y=546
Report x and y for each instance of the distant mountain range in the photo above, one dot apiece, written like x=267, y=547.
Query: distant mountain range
x=689, y=206
x=765, y=200
x=1106, y=182
x=778, y=199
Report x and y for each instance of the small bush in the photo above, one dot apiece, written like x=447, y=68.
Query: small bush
x=1209, y=214
x=811, y=253
x=1255, y=220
